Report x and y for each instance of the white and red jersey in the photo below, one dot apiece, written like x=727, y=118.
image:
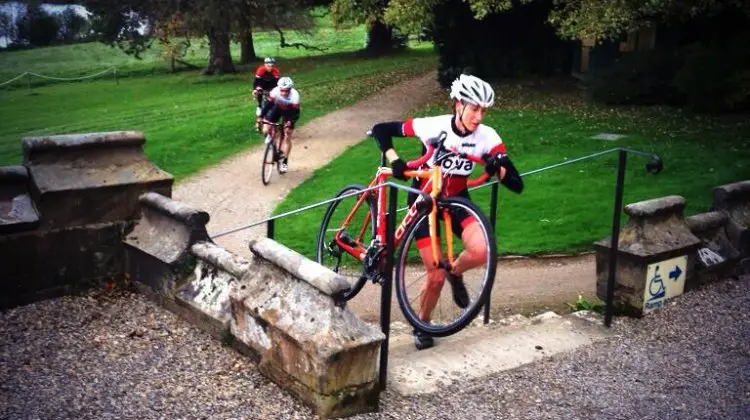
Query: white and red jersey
x=456, y=170
x=284, y=102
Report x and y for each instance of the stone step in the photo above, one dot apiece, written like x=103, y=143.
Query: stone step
x=481, y=350
x=17, y=210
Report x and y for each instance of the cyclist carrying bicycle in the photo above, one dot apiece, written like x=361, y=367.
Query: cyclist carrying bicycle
x=471, y=97
x=266, y=78
x=283, y=101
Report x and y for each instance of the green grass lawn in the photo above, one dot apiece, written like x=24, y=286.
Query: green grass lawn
x=568, y=208
x=190, y=120
x=83, y=59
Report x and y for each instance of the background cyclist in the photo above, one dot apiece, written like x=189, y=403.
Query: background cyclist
x=266, y=78
x=471, y=97
x=283, y=101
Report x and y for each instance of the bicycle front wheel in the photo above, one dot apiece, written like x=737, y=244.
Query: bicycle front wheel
x=445, y=317
x=269, y=160
x=357, y=233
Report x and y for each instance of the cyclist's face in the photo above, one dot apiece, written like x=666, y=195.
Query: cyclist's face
x=269, y=66
x=470, y=115
x=284, y=92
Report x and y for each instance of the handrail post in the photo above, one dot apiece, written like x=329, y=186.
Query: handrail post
x=493, y=221
x=386, y=290
x=270, y=228
x=613, y=251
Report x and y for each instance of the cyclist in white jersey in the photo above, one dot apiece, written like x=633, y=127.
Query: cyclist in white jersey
x=471, y=98
x=283, y=101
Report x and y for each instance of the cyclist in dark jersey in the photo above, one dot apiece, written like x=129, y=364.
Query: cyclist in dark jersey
x=266, y=77
x=471, y=98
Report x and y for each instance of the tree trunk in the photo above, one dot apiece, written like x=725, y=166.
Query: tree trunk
x=247, y=49
x=379, y=37
x=220, y=55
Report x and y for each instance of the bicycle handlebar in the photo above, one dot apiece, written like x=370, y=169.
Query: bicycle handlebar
x=436, y=144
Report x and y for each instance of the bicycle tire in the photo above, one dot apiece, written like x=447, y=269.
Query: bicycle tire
x=321, y=245
x=487, y=282
x=269, y=160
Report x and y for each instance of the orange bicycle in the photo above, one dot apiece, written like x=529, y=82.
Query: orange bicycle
x=353, y=239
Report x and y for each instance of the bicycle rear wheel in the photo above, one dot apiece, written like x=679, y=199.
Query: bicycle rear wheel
x=447, y=317
x=358, y=232
x=269, y=160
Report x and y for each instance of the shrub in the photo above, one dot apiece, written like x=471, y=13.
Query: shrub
x=715, y=78
x=637, y=78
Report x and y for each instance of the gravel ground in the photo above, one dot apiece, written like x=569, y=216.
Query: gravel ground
x=117, y=355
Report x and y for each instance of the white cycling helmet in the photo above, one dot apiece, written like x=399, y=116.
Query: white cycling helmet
x=473, y=90
x=285, y=83
x=269, y=60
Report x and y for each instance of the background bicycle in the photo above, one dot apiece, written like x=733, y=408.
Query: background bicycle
x=272, y=155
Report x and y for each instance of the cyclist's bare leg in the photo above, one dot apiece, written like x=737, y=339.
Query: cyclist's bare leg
x=475, y=250
x=435, y=278
x=287, y=146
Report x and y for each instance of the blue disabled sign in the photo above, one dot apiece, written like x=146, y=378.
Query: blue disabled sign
x=664, y=280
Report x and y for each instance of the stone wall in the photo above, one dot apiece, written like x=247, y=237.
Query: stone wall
x=66, y=210
x=281, y=309
x=661, y=253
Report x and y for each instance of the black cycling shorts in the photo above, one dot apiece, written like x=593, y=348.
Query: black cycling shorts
x=459, y=219
x=275, y=113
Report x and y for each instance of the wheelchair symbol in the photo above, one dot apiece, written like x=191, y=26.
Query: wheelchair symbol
x=656, y=286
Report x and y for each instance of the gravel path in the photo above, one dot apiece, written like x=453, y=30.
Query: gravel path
x=117, y=355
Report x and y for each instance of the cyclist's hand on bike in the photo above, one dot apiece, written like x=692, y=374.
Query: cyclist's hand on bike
x=399, y=167
x=494, y=163
x=491, y=165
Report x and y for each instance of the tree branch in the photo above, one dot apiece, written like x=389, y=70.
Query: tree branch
x=284, y=44
x=186, y=64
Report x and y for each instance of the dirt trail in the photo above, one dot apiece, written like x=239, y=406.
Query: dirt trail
x=232, y=193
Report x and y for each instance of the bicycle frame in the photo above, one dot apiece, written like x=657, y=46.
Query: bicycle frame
x=435, y=177
x=280, y=140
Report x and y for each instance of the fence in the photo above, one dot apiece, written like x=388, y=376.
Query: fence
x=30, y=74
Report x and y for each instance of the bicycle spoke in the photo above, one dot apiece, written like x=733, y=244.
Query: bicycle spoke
x=446, y=316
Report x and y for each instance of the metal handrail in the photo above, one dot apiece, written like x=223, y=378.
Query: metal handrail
x=578, y=159
x=311, y=206
x=413, y=190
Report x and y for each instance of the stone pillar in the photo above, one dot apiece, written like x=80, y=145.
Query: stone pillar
x=717, y=257
x=656, y=256
x=157, y=251
x=734, y=200
x=287, y=310
x=63, y=214
x=205, y=295
x=91, y=178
